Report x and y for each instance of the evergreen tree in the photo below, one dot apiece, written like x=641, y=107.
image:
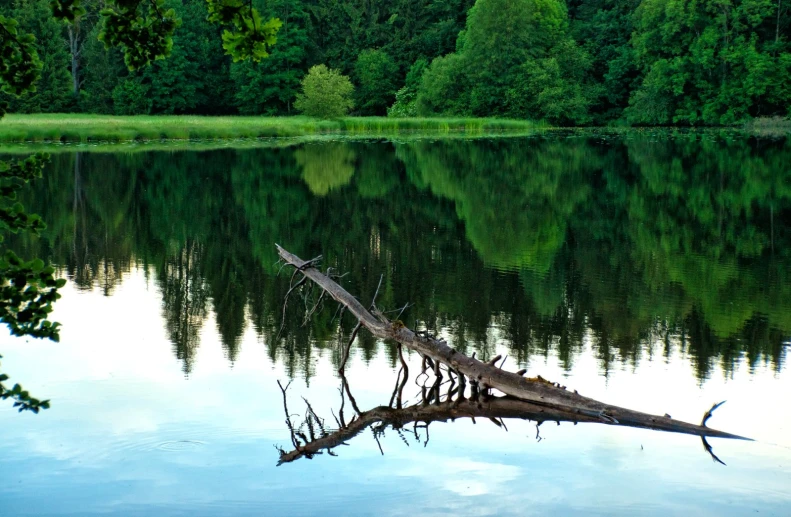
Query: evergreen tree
x=423, y=29
x=103, y=69
x=376, y=74
x=329, y=29
x=270, y=87
x=190, y=80
x=53, y=90
x=131, y=97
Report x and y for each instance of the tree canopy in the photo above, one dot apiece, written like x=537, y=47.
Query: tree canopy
x=701, y=62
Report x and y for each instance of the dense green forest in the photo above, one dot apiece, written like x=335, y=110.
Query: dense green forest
x=577, y=62
x=640, y=245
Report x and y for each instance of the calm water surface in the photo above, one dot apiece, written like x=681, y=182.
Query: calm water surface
x=649, y=270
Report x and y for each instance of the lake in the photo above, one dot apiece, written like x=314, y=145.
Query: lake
x=647, y=269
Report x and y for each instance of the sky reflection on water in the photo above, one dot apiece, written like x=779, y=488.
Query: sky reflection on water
x=101, y=448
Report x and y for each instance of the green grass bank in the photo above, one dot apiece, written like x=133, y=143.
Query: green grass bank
x=105, y=128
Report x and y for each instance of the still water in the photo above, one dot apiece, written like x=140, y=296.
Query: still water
x=648, y=270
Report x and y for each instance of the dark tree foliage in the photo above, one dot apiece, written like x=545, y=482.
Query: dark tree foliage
x=603, y=28
x=376, y=74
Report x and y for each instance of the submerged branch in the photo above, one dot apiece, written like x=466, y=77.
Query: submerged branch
x=495, y=409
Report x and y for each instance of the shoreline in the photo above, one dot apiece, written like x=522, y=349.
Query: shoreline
x=87, y=129
x=108, y=133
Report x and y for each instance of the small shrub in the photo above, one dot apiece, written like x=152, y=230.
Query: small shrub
x=404, y=105
x=325, y=93
x=406, y=98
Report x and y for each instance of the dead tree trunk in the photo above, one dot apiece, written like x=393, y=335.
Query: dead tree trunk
x=482, y=375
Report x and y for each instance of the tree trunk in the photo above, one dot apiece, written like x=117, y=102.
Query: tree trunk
x=777, y=25
x=75, y=49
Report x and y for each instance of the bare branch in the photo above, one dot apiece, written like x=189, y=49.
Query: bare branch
x=288, y=416
x=709, y=449
x=376, y=437
x=285, y=304
x=708, y=413
x=395, y=389
x=373, y=301
x=349, y=394
x=493, y=360
x=405, y=368
x=347, y=348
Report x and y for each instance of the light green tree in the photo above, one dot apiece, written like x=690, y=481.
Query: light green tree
x=326, y=93
x=443, y=88
x=554, y=87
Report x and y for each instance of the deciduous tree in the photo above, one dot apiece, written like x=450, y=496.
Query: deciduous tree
x=325, y=93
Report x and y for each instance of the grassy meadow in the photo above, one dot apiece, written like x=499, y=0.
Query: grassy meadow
x=106, y=128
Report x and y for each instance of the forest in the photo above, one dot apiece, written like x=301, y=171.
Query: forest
x=593, y=62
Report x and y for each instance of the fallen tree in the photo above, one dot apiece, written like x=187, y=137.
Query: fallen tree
x=482, y=377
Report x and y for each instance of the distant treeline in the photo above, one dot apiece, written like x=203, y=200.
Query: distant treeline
x=577, y=62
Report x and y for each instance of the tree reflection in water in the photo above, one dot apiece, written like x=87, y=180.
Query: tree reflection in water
x=442, y=402
x=638, y=246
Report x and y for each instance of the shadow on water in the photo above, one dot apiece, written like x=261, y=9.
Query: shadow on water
x=639, y=246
